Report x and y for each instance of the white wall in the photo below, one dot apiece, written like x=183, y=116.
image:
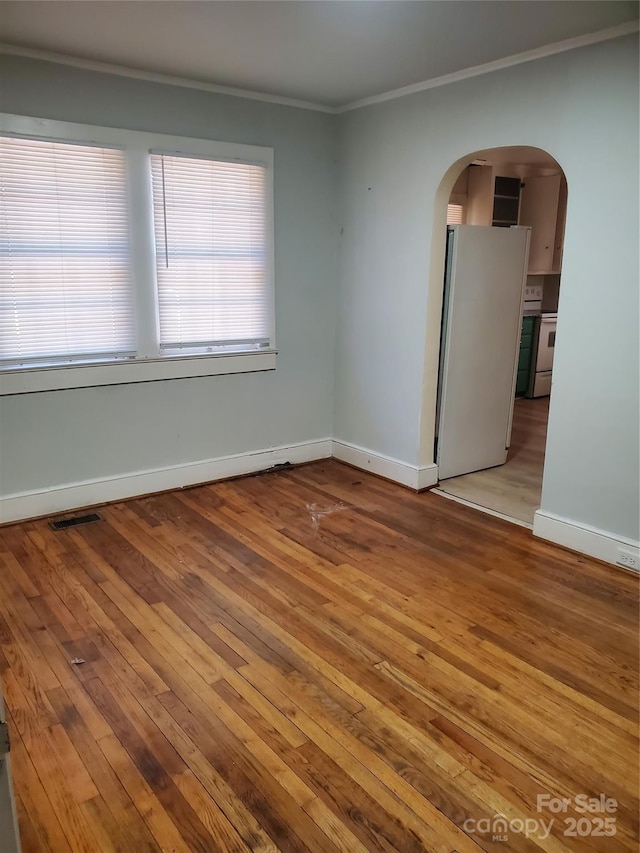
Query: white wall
x=582, y=108
x=53, y=439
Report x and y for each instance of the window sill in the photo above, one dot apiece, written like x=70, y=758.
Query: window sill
x=123, y=373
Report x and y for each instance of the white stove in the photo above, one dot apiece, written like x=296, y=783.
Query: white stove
x=544, y=338
x=532, y=301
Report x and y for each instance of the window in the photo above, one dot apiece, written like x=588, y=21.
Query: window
x=455, y=214
x=131, y=257
x=209, y=220
x=65, y=291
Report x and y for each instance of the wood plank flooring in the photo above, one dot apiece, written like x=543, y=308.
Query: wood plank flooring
x=314, y=660
x=513, y=489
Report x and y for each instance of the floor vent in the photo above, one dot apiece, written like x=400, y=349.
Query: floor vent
x=74, y=522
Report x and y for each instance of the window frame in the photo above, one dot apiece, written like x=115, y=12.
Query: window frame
x=149, y=364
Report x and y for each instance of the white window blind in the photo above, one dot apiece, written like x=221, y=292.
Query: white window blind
x=65, y=291
x=455, y=214
x=211, y=253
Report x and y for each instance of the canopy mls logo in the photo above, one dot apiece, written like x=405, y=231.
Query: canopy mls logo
x=590, y=817
x=499, y=827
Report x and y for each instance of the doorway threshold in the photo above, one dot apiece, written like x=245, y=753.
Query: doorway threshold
x=481, y=508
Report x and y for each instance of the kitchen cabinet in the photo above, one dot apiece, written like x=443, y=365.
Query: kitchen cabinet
x=492, y=199
x=525, y=354
x=479, y=195
x=539, y=203
x=506, y=202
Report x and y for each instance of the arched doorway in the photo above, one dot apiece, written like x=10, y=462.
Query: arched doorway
x=500, y=187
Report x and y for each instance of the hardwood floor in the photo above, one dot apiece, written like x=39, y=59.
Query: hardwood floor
x=314, y=660
x=512, y=489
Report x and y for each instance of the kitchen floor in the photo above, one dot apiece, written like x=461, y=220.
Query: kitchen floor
x=512, y=489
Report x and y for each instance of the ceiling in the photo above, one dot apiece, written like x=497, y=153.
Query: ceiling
x=321, y=51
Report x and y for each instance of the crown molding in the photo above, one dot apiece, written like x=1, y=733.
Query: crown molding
x=432, y=83
x=158, y=77
x=497, y=65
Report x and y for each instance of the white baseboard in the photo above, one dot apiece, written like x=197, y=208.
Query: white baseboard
x=427, y=476
x=17, y=507
x=385, y=466
x=25, y=505
x=582, y=537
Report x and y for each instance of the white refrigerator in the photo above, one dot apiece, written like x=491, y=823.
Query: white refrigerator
x=485, y=276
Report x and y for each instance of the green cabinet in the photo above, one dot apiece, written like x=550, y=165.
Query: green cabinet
x=524, y=359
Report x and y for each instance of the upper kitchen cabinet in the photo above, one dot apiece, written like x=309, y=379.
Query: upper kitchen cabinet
x=543, y=206
x=492, y=198
x=523, y=187
x=480, y=182
x=506, y=202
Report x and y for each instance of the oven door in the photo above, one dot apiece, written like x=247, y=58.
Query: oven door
x=546, y=343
